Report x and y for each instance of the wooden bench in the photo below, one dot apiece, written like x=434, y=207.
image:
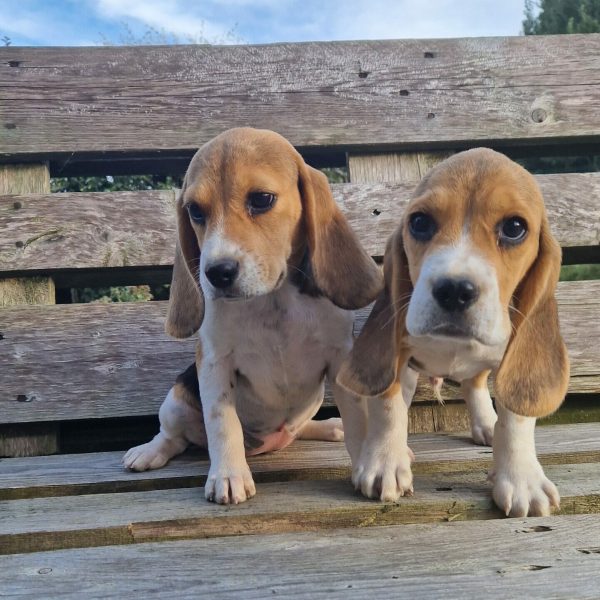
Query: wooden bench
x=89, y=378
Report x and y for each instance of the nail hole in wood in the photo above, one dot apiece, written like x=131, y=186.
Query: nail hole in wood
x=1, y=336
x=431, y=115
x=19, y=244
x=428, y=55
x=404, y=92
x=363, y=74
x=375, y=212
x=14, y=63
x=443, y=489
x=24, y=398
x=539, y=115
x=17, y=205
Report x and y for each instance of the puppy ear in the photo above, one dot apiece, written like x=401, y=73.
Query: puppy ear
x=378, y=353
x=341, y=268
x=186, y=301
x=533, y=377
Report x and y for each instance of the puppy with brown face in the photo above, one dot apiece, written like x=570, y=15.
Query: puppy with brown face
x=470, y=276
x=266, y=268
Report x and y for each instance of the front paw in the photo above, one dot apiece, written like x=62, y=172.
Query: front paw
x=483, y=433
x=229, y=484
x=383, y=471
x=522, y=489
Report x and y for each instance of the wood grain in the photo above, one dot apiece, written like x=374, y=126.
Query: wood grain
x=539, y=560
x=34, y=438
x=292, y=506
x=102, y=472
x=137, y=229
x=92, y=361
x=356, y=95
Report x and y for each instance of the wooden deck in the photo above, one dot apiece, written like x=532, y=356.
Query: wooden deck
x=77, y=525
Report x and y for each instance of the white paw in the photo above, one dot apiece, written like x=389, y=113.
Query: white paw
x=153, y=455
x=232, y=485
x=383, y=471
x=522, y=489
x=333, y=430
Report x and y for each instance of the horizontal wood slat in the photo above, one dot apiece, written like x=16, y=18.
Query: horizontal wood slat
x=102, y=472
x=291, y=506
x=360, y=95
x=88, y=361
x=137, y=229
x=539, y=559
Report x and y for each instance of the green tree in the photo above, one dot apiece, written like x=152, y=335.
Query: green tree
x=562, y=16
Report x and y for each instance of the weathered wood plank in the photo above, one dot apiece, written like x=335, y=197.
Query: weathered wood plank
x=406, y=168
x=137, y=229
x=38, y=438
x=100, y=519
x=357, y=95
x=540, y=558
x=89, y=361
x=101, y=472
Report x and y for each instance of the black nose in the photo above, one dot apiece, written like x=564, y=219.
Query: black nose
x=455, y=295
x=222, y=274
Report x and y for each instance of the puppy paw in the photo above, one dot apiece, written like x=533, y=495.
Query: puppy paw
x=522, y=489
x=229, y=485
x=153, y=455
x=483, y=433
x=383, y=471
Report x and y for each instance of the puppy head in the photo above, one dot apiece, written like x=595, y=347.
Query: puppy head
x=250, y=213
x=482, y=269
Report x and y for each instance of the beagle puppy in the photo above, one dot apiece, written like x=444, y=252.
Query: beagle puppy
x=470, y=276
x=267, y=269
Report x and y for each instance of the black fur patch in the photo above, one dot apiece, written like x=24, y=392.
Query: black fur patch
x=302, y=277
x=189, y=380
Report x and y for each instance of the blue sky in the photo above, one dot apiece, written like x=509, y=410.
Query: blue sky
x=92, y=22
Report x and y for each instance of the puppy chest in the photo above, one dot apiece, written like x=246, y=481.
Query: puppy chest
x=451, y=359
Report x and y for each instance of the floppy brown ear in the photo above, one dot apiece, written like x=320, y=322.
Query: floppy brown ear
x=378, y=353
x=186, y=301
x=533, y=377
x=341, y=268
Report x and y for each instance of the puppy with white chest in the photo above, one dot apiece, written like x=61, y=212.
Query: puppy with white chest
x=266, y=269
x=470, y=276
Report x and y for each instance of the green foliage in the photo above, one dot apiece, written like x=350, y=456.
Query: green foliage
x=562, y=16
x=119, y=183
x=579, y=272
x=125, y=293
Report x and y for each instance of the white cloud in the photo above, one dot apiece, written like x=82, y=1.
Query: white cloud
x=168, y=15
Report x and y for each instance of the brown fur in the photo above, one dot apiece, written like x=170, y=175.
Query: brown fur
x=304, y=221
x=478, y=188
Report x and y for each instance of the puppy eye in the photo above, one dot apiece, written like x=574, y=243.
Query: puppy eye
x=512, y=230
x=422, y=226
x=260, y=202
x=196, y=214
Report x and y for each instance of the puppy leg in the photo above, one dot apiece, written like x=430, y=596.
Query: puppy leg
x=520, y=486
x=383, y=469
x=229, y=478
x=180, y=423
x=481, y=411
x=328, y=430
x=353, y=410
